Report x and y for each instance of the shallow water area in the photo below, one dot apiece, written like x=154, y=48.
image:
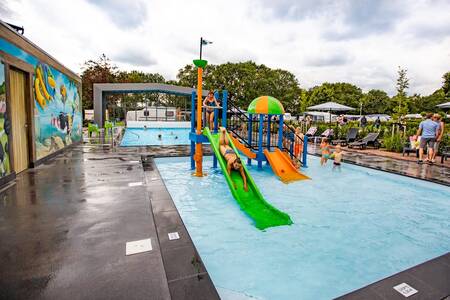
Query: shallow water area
x=352, y=226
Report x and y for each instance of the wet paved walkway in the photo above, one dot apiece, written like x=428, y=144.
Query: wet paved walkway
x=64, y=226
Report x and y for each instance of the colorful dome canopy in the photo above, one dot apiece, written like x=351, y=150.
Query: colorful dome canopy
x=266, y=105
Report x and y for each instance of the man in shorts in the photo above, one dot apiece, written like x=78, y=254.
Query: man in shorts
x=428, y=130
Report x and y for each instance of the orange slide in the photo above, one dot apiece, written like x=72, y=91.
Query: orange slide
x=241, y=147
x=282, y=166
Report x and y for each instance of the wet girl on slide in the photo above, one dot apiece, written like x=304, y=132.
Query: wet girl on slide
x=233, y=161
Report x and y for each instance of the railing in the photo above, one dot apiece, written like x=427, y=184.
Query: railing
x=239, y=123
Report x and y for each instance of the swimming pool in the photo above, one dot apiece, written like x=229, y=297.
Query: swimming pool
x=149, y=137
x=350, y=229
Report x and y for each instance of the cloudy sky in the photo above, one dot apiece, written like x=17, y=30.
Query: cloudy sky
x=359, y=41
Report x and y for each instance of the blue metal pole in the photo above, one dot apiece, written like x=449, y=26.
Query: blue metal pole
x=224, y=108
x=260, y=142
x=268, y=131
x=305, y=151
x=249, y=134
x=216, y=113
x=216, y=117
x=193, y=96
x=280, y=133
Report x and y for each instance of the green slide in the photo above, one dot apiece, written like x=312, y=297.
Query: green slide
x=252, y=202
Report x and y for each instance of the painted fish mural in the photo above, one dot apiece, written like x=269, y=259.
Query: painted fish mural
x=5, y=125
x=57, y=114
x=57, y=109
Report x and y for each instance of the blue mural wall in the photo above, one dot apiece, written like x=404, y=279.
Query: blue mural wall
x=57, y=104
x=5, y=167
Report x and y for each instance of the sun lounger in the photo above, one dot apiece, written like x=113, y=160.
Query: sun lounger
x=370, y=139
x=311, y=131
x=351, y=137
x=327, y=133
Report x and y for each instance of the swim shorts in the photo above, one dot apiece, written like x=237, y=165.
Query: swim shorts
x=427, y=141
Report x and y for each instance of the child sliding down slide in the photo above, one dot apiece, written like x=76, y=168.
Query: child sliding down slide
x=233, y=162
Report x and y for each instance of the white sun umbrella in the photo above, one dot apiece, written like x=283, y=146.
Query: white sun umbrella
x=330, y=106
x=444, y=105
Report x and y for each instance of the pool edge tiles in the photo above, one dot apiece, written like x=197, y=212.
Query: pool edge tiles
x=303, y=228
x=186, y=274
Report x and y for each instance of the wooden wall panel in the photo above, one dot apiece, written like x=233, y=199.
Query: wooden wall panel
x=19, y=120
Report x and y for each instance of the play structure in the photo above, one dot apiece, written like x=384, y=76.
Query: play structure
x=252, y=201
x=264, y=109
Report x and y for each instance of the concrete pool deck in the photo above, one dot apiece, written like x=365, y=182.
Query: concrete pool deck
x=64, y=225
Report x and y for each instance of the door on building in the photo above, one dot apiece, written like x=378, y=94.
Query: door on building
x=19, y=120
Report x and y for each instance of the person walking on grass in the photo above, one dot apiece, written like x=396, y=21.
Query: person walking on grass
x=428, y=130
x=438, y=119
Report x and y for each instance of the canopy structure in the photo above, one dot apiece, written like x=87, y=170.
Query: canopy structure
x=330, y=106
x=266, y=105
x=103, y=89
x=444, y=105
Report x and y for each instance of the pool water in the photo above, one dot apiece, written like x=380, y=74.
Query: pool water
x=351, y=227
x=149, y=137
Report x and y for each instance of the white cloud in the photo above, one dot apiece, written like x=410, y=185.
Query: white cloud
x=357, y=41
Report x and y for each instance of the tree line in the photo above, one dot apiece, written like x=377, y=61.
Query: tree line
x=248, y=80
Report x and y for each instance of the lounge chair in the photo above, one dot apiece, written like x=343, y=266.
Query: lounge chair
x=445, y=154
x=311, y=131
x=327, y=133
x=370, y=139
x=352, y=133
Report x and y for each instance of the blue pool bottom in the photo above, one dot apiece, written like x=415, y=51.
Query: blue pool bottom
x=351, y=227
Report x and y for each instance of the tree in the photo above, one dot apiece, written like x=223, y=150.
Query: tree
x=376, y=102
x=96, y=71
x=340, y=92
x=446, y=85
x=400, y=99
x=246, y=81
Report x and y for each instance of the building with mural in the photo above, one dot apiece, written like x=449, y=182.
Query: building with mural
x=40, y=105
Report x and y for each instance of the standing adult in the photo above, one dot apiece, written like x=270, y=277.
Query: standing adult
x=377, y=122
x=363, y=121
x=428, y=131
x=438, y=119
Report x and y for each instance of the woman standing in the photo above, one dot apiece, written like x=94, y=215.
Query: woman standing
x=210, y=102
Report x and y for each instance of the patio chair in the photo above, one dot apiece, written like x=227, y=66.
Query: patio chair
x=445, y=154
x=370, y=139
x=407, y=149
x=351, y=137
x=93, y=128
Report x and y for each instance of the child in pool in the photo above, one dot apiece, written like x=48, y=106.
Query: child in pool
x=337, y=156
x=325, y=148
x=159, y=136
x=298, y=143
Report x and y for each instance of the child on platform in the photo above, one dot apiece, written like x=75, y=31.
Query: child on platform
x=298, y=143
